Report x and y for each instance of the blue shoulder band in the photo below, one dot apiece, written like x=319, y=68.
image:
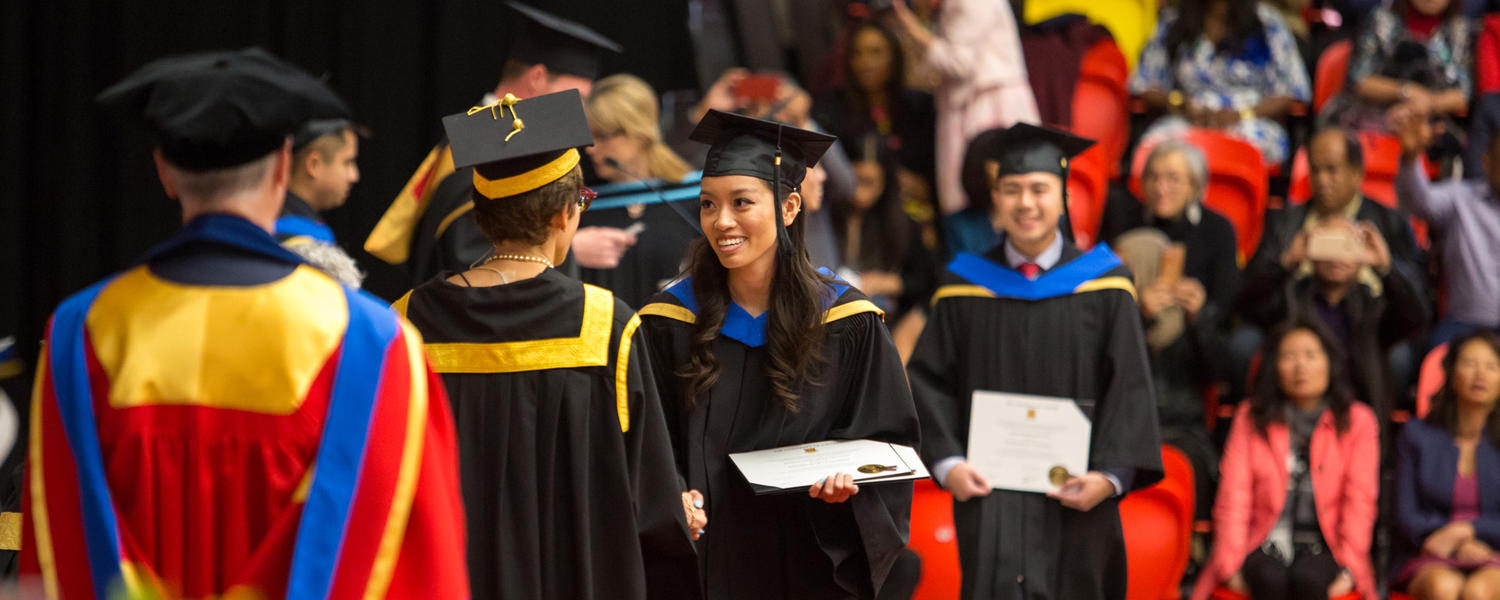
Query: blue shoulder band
x=738, y=324
x=292, y=225
x=1060, y=281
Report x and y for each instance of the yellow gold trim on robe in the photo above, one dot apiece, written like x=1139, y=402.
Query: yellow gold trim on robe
x=390, y=241
x=622, y=373
x=400, y=304
x=39, y=522
x=389, y=551
x=452, y=216
x=253, y=348
x=304, y=487
x=10, y=368
x=1106, y=283
x=496, y=189
x=850, y=309
x=589, y=349
x=10, y=531
x=951, y=291
x=297, y=240
x=670, y=311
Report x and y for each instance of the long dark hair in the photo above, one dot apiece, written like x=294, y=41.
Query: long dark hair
x=1268, y=404
x=1444, y=411
x=884, y=228
x=794, y=323
x=975, y=176
x=894, y=84
x=1242, y=21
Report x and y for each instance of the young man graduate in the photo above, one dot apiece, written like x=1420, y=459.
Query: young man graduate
x=1037, y=316
x=222, y=419
x=324, y=152
x=568, y=474
x=430, y=225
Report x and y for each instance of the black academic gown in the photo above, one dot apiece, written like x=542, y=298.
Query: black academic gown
x=787, y=546
x=1081, y=340
x=655, y=259
x=569, y=484
x=447, y=238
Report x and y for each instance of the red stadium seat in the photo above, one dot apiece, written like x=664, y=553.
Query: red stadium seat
x=1333, y=64
x=1382, y=154
x=1430, y=378
x=933, y=539
x=1237, y=182
x=1088, y=187
x=1228, y=594
x=1101, y=108
x=1157, y=522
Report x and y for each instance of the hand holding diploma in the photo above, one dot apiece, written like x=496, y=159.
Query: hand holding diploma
x=834, y=489
x=692, y=508
x=965, y=482
x=1083, y=492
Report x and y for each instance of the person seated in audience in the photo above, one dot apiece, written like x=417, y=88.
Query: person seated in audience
x=1223, y=64
x=1464, y=216
x=975, y=229
x=1447, y=522
x=1416, y=52
x=1298, y=481
x=878, y=240
x=1182, y=256
x=873, y=98
x=1336, y=162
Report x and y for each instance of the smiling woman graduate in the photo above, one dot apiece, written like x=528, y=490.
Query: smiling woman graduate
x=757, y=349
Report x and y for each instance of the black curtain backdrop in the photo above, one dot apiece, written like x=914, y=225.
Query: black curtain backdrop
x=79, y=197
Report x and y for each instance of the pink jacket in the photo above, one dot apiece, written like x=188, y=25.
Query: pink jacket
x=1252, y=490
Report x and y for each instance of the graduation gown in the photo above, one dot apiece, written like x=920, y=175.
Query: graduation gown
x=223, y=418
x=656, y=258
x=786, y=546
x=568, y=476
x=1073, y=333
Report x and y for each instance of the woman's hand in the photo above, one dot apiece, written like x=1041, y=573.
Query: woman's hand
x=1341, y=585
x=692, y=508
x=909, y=25
x=1190, y=295
x=1473, y=551
x=720, y=95
x=1444, y=542
x=1154, y=299
x=834, y=489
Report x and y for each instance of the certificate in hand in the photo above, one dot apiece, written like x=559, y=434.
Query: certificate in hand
x=796, y=468
x=1027, y=443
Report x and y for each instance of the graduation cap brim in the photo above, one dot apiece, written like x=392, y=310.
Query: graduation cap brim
x=562, y=45
x=741, y=145
x=1027, y=148
x=509, y=161
x=219, y=109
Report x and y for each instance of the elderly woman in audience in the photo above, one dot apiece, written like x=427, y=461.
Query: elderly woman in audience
x=1298, y=481
x=1224, y=64
x=1417, y=52
x=1182, y=256
x=1448, y=482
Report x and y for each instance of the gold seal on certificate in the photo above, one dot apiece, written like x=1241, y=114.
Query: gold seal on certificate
x=1058, y=475
x=1027, y=443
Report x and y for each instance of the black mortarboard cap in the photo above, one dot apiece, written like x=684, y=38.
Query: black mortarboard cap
x=563, y=45
x=1027, y=148
x=518, y=145
x=214, y=110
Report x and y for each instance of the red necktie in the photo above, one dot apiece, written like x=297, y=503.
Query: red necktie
x=1030, y=270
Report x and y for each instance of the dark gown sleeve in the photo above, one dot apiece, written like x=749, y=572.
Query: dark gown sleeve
x=943, y=413
x=666, y=547
x=1125, y=430
x=918, y=272
x=878, y=406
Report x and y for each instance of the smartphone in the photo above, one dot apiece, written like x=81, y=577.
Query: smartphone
x=1333, y=244
x=757, y=87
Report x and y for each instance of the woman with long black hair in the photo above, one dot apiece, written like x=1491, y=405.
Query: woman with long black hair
x=877, y=238
x=756, y=349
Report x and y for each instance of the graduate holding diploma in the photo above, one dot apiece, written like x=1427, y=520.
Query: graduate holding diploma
x=757, y=350
x=1037, y=316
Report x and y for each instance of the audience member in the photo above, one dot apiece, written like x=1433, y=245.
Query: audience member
x=1447, y=522
x=878, y=240
x=1298, y=481
x=1223, y=64
x=1464, y=216
x=1417, y=52
x=977, y=54
x=1336, y=161
x=975, y=229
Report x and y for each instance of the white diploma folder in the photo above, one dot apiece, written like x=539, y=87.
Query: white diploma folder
x=796, y=468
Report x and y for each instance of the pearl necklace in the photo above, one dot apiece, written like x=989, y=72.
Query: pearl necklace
x=520, y=258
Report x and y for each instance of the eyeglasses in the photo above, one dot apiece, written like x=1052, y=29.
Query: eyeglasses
x=586, y=198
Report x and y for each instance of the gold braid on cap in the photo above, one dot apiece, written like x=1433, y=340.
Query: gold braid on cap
x=509, y=101
x=495, y=189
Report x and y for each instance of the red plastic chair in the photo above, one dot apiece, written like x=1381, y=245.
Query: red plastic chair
x=1430, y=378
x=1101, y=105
x=1228, y=594
x=934, y=540
x=1088, y=188
x=1237, y=182
x=1157, y=522
x=1382, y=154
x=1333, y=65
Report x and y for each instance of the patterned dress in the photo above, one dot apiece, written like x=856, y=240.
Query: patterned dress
x=1267, y=66
x=1378, y=50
